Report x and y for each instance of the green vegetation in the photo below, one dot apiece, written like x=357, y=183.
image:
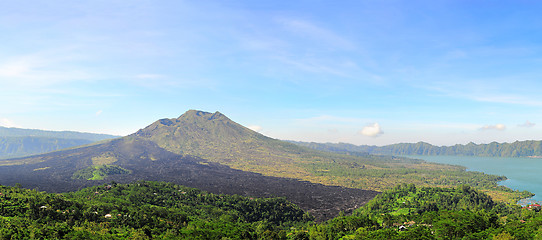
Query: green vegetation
x=142, y=210
x=158, y=210
x=494, y=149
x=99, y=172
x=409, y=212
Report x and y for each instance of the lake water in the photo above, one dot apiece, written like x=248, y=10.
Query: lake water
x=522, y=173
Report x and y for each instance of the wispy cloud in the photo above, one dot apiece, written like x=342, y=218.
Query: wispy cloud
x=499, y=127
x=38, y=70
x=508, y=99
x=372, y=130
x=328, y=119
x=163, y=81
x=499, y=91
x=300, y=45
x=527, y=124
x=8, y=123
x=149, y=76
x=322, y=66
x=437, y=126
x=314, y=32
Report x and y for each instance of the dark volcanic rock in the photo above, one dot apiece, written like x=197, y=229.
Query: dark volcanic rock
x=323, y=202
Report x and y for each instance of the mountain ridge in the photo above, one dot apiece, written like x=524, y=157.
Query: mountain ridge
x=23, y=132
x=527, y=148
x=20, y=142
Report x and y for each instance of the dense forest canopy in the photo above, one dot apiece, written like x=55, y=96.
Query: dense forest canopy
x=159, y=210
x=142, y=210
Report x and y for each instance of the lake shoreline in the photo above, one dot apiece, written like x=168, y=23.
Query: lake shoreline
x=528, y=201
x=521, y=172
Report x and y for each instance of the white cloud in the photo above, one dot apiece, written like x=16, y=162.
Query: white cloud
x=499, y=127
x=255, y=128
x=161, y=81
x=314, y=32
x=99, y=112
x=324, y=66
x=328, y=119
x=40, y=70
x=498, y=91
x=7, y=123
x=150, y=76
x=14, y=69
x=455, y=54
x=371, y=130
x=527, y=124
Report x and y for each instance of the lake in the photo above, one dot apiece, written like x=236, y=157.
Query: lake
x=522, y=173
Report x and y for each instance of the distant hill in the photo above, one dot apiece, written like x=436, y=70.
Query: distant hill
x=20, y=132
x=18, y=142
x=11, y=147
x=494, y=149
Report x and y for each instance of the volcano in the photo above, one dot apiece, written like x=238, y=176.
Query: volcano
x=198, y=149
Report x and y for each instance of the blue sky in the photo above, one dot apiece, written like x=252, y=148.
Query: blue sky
x=363, y=72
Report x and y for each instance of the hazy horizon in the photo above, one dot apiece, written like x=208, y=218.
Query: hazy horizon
x=365, y=73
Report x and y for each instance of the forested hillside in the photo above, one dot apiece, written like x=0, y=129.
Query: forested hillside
x=18, y=142
x=11, y=147
x=494, y=149
x=142, y=210
x=410, y=212
x=158, y=210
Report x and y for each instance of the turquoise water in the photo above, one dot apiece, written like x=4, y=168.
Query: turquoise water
x=522, y=173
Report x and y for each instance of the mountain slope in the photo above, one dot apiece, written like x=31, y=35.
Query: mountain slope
x=215, y=137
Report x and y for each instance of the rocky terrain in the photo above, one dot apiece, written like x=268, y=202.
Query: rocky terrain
x=53, y=173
